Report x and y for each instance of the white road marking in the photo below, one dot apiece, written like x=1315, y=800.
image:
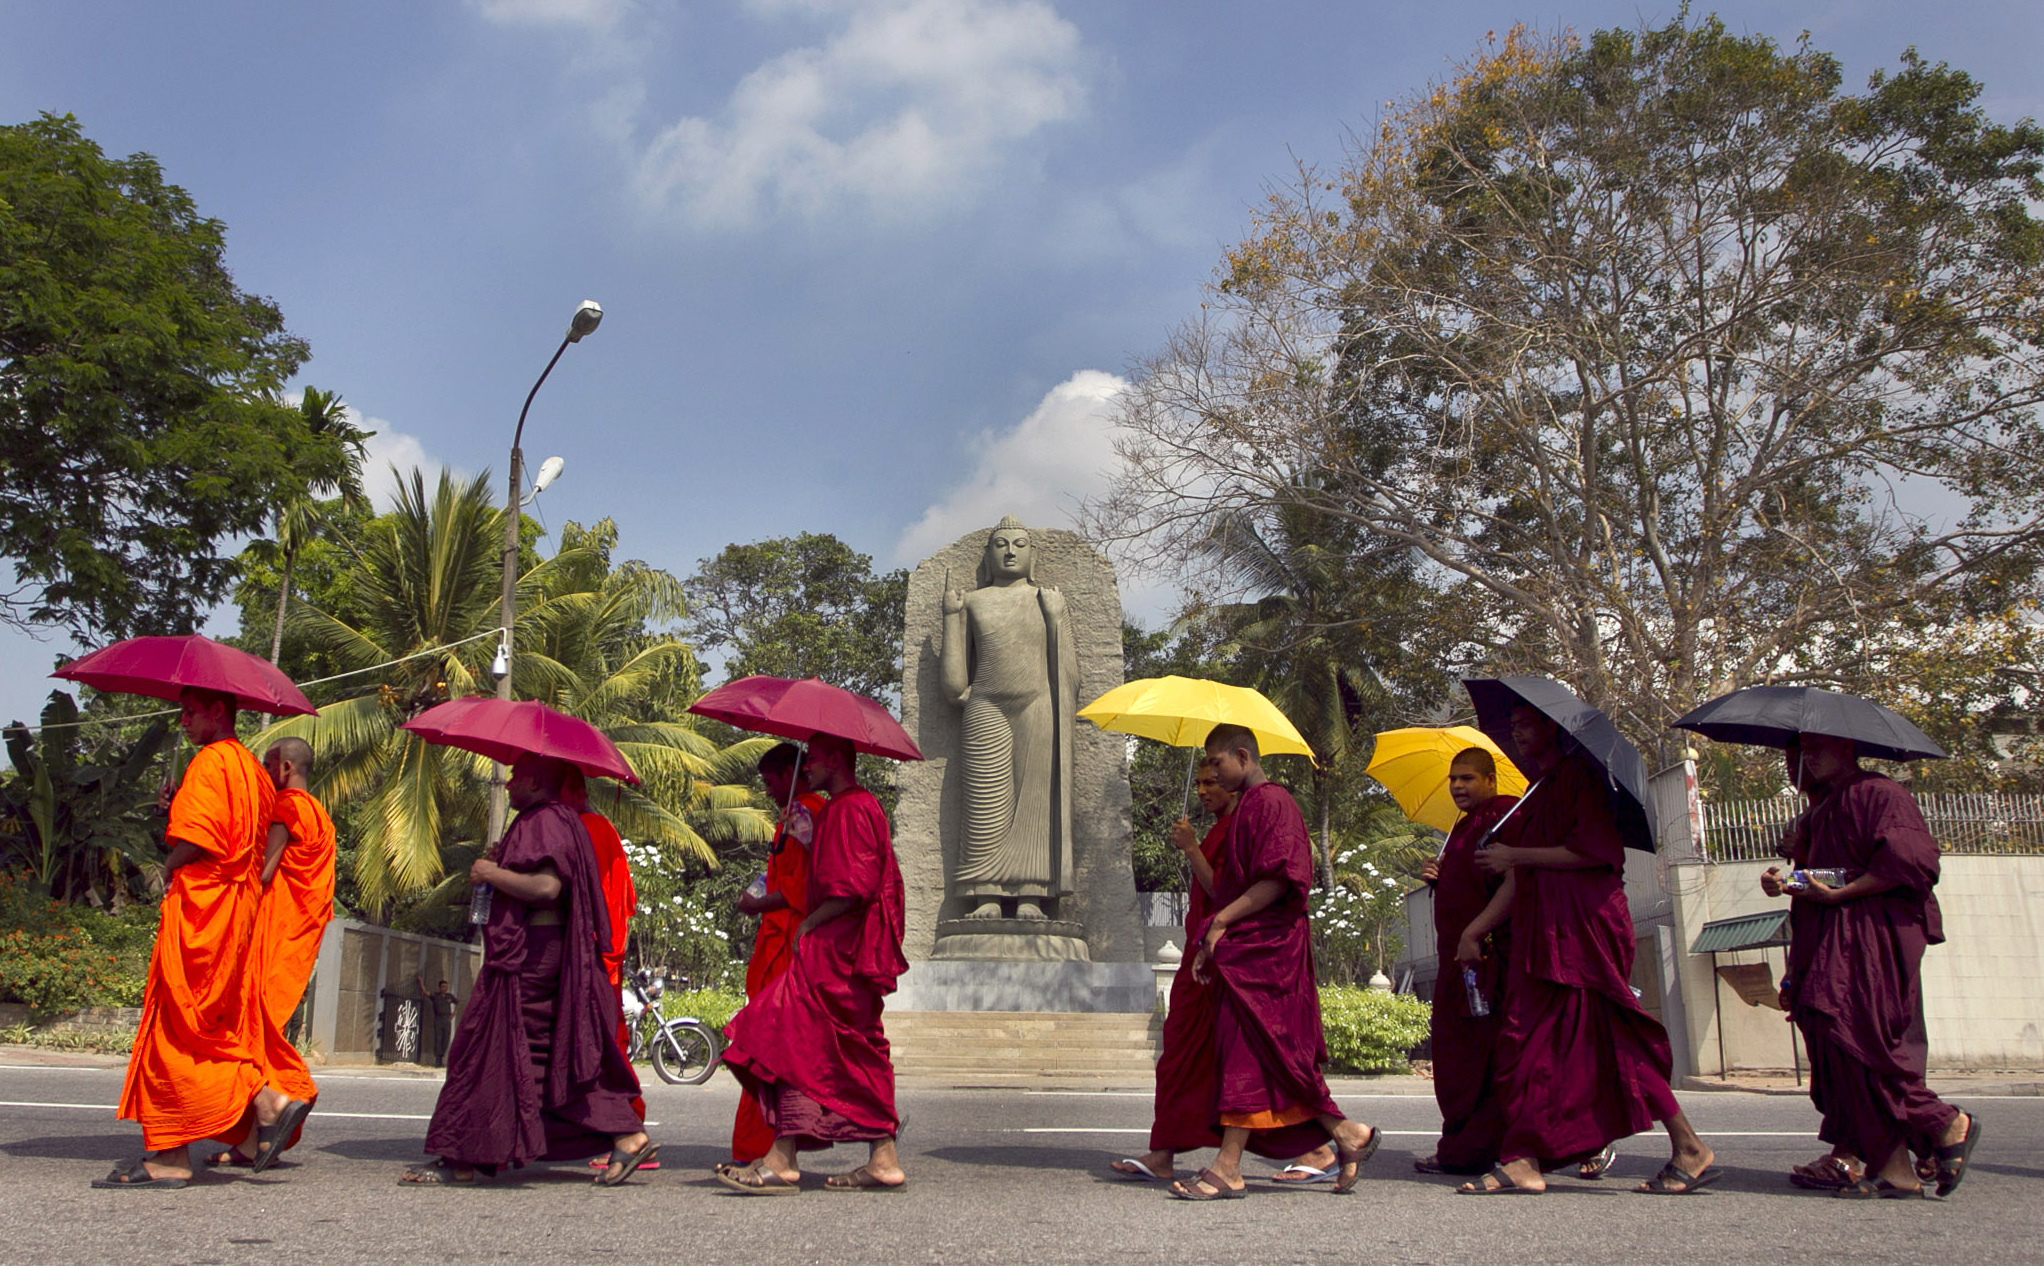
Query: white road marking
x=108, y=1107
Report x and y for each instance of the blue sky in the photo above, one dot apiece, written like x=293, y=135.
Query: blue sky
x=869, y=267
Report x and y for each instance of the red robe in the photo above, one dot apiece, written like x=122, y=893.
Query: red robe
x=811, y=1047
x=620, y=903
x=1579, y=1063
x=290, y=923
x=1855, y=973
x=773, y=948
x=1184, y=1118
x=1269, y=1047
x=194, y=1067
x=1465, y=1046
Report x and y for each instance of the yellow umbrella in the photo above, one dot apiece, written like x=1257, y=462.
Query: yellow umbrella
x=1413, y=766
x=1180, y=711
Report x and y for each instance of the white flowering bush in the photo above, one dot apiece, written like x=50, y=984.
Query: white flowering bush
x=681, y=928
x=1358, y=923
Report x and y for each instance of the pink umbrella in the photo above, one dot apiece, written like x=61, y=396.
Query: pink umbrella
x=798, y=709
x=504, y=730
x=161, y=667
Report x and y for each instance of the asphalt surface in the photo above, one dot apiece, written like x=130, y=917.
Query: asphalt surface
x=997, y=1175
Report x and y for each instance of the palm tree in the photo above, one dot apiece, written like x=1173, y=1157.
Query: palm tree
x=421, y=601
x=305, y=516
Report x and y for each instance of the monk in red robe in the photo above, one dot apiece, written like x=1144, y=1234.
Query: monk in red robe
x=781, y=907
x=620, y=902
x=535, y=1071
x=1269, y=1049
x=297, y=904
x=1579, y=1063
x=1464, y=1043
x=1855, y=985
x=811, y=1048
x=195, y=1070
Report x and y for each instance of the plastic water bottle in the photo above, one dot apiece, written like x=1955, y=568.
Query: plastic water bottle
x=479, y=904
x=1479, y=1006
x=757, y=888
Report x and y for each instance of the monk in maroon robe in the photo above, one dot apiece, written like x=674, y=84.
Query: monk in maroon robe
x=1855, y=985
x=1269, y=1048
x=535, y=1071
x=1580, y=1064
x=810, y=1048
x=1465, y=1044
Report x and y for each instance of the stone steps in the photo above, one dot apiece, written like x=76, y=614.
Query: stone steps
x=1022, y=1043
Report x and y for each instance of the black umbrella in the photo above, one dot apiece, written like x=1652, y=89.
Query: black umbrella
x=1770, y=716
x=1584, y=729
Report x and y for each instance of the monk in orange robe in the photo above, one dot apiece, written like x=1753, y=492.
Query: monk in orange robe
x=297, y=904
x=621, y=900
x=781, y=907
x=195, y=1068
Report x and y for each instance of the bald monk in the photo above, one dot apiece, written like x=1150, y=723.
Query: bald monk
x=1464, y=1045
x=1854, y=983
x=297, y=904
x=195, y=1070
x=1580, y=1064
x=620, y=902
x=811, y=1048
x=780, y=909
x=1268, y=1044
x=535, y=1072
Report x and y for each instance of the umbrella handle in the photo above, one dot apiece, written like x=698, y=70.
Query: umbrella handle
x=1191, y=763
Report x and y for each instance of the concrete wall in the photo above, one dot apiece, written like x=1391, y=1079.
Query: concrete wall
x=357, y=963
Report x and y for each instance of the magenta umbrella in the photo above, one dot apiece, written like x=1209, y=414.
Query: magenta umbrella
x=504, y=730
x=799, y=709
x=161, y=667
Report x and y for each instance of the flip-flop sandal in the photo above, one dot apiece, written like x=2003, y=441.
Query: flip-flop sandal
x=231, y=1157
x=437, y=1174
x=1879, y=1189
x=1954, y=1161
x=1307, y=1175
x=136, y=1174
x=601, y=1162
x=632, y=1162
x=271, y=1139
x=1428, y=1165
x=1222, y=1191
x=1505, y=1186
x=1140, y=1172
x=1665, y=1182
x=752, y=1181
x=861, y=1179
x=1359, y=1158
x=1829, y=1174
x=1599, y=1165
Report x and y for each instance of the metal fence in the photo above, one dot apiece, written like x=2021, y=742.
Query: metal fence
x=1747, y=830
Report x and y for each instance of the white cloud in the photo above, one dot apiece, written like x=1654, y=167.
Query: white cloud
x=908, y=107
x=1037, y=471
x=597, y=13
x=388, y=456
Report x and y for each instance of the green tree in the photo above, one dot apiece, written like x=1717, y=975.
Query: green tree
x=1629, y=340
x=141, y=421
x=801, y=606
x=298, y=521
x=77, y=814
x=425, y=584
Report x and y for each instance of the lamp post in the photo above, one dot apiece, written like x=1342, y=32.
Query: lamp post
x=587, y=317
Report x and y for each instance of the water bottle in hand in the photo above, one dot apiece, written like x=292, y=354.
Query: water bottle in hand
x=479, y=904
x=1479, y=1006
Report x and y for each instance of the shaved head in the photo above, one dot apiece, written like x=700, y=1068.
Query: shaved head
x=295, y=750
x=1477, y=759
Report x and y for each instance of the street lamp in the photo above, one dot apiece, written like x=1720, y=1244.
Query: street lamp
x=587, y=317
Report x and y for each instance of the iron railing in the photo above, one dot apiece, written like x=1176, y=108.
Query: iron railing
x=1961, y=822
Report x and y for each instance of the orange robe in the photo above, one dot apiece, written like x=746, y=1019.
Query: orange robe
x=295, y=910
x=194, y=1068
x=773, y=948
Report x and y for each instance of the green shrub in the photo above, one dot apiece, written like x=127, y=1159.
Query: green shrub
x=714, y=1007
x=55, y=956
x=1370, y=1032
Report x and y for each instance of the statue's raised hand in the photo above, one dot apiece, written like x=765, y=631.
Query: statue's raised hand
x=1053, y=601
x=954, y=597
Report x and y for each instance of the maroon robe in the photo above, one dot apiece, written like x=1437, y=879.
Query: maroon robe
x=1855, y=985
x=810, y=1048
x=1580, y=1064
x=1184, y=1119
x=1268, y=1044
x=1465, y=1046
x=534, y=1071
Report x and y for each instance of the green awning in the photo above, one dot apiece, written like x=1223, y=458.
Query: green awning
x=1748, y=931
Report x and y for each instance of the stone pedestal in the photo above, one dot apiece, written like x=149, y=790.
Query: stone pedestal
x=981, y=985
x=1029, y=940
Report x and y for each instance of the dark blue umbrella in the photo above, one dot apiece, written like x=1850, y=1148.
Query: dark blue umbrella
x=1769, y=716
x=1584, y=729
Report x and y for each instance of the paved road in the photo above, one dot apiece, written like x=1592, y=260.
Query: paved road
x=1000, y=1175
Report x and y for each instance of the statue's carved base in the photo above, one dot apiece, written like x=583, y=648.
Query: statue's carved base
x=1024, y=940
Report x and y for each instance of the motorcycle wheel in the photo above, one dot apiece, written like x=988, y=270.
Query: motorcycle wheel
x=685, y=1053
